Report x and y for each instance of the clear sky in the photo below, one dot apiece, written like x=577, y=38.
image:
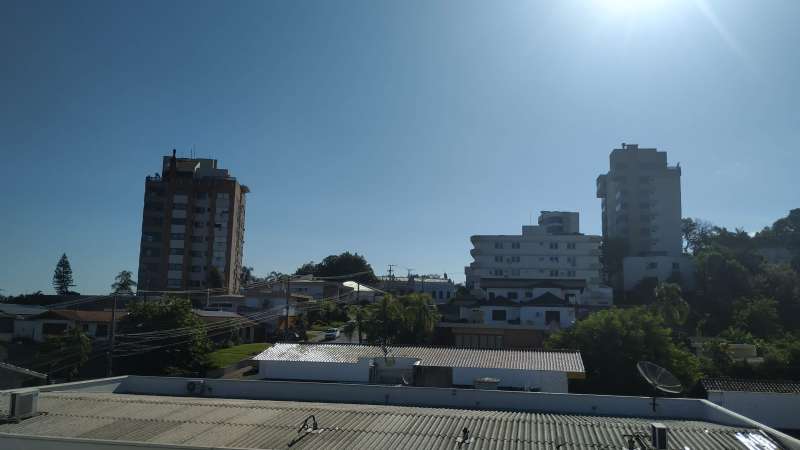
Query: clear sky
x=393, y=129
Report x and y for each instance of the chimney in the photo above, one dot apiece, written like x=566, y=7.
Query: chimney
x=658, y=434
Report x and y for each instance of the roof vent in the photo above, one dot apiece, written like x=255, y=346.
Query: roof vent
x=658, y=435
x=464, y=438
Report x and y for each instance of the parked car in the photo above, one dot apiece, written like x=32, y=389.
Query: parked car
x=331, y=333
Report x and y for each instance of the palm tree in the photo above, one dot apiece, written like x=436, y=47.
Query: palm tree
x=124, y=283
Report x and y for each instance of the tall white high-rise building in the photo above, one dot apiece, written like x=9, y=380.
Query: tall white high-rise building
x=641, y=201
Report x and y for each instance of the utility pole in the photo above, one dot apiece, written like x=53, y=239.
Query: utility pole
x=110, y=353
x=391, y=271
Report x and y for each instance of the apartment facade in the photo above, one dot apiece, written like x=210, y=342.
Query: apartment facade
x=192, y=220
x=536, y=254
x=641, y=201
x=641, y=208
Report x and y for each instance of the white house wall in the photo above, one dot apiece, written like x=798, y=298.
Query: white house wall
x=545, y=381
x=772, y=409
x=315, y=371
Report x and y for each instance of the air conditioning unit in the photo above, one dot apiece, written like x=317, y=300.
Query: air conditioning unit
x=23, y=404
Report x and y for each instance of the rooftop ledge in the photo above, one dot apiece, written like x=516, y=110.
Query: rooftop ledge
x=430, y=397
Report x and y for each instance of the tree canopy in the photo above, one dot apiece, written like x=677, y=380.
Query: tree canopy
x=62, y=277
x=182, y=352
x=404, y=320
x=124, y=283
x=612, y=342
x=339, y=265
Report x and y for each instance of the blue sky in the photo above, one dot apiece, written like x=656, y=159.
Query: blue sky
x=394, y=129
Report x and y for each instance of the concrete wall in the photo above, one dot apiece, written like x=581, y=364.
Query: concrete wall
x=637, y=268
x=544, y=381
x=775, y=410
x=315, y=371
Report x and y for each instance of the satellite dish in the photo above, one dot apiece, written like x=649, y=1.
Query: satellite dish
x=660, y=378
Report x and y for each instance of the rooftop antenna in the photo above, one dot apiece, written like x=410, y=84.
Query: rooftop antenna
x=391, y=271
x=661, y=380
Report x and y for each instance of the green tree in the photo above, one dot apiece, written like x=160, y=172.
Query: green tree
x=246, y=275
x=339, y=265
x=721, y=279
x=697, y=234
x=405, y=320
x=783, y=284
x=124, y=283
x=612, y=341
x=356, y=314
x=73, y=349
x=669, y=303
x=182, y=351
x=62, y=277
x=612, y=253
x=758, y=316
x=214, y=278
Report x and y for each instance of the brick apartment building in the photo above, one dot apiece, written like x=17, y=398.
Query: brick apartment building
x=193, y=219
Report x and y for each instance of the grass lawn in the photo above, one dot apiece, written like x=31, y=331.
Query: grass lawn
x=227, y=356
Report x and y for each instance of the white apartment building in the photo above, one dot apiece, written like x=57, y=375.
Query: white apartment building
x=524, y=266
x=641, y=204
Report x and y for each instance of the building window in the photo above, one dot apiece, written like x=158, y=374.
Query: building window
x=515, y=245
x=652, y=265
x=554, y=245
x=554, y=259
x=176, y=267
x=197, y=239
x=179, y=206
x=498, y=272
x=498, y=314
x=176, y=251
x=498, y=245
x=174, y=282
x=199, y=224
x=177, y=236
x=498, y=258
x=570, y=246
x=201, y=195
x=515, y=259
x=512, y=295
x=150, y=236
x=676, y=266
x=151, y=251
x=199, y=210
x=570, y=273
x=553, y=273
x=178, y=221
x=196, y=269
x=196, y=254
x=448, y=294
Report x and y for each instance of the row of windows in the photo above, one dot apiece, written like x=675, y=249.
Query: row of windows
x=552, y=272
x=552, y=245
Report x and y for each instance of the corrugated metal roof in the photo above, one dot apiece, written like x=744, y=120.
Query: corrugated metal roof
x=561, y=361
x=274, y=424
x=742, y=385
